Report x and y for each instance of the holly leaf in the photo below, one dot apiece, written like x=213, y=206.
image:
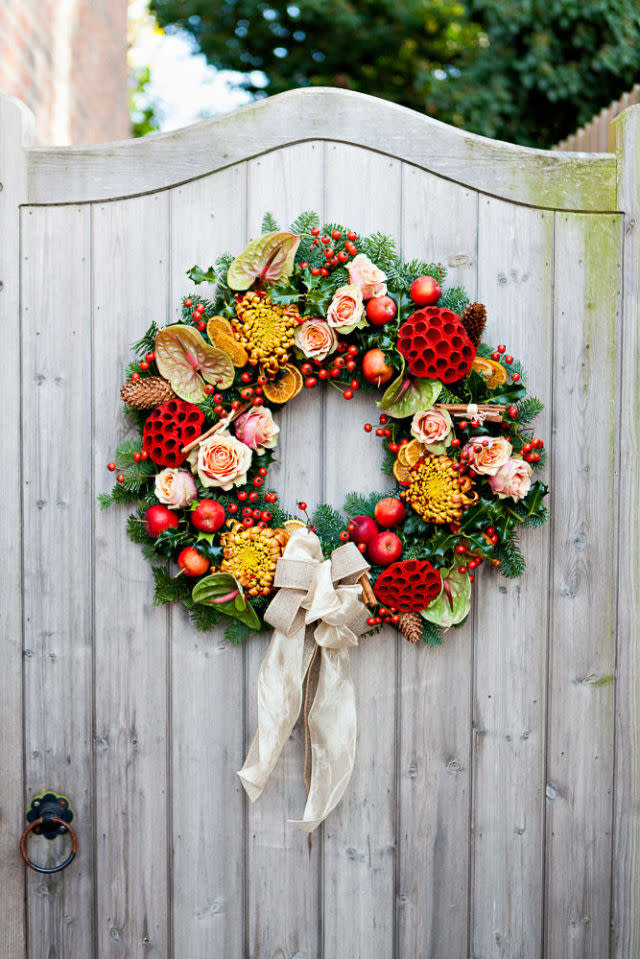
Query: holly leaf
x=223, y=591
x=408, y=395
x=185, y=359
x=453, y=603
x=268, y=258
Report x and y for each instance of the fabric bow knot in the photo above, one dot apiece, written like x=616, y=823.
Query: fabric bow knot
x=324, y=593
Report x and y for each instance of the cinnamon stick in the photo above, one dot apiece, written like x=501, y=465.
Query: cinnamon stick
x=220, y=425
x=368, y=594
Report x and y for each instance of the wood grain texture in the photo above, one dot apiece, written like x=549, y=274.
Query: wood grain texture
x=16, y=134
x=57, y=571
x=440, y=223
x=130, y=243
x=515, y=282
x=583, y=589
x=626, y=853
x=283, y=917
x=207, y=218
x=523, y=175
x=360, y=836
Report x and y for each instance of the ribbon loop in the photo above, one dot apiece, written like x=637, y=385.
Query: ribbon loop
x=321, y=592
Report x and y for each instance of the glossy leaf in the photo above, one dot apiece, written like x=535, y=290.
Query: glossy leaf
x=223, y=591
x=268, y=258
x=453, y=603
x=186, y=360
x=409, y=394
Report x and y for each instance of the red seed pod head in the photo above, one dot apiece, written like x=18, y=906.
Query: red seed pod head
x=170, y=427
x=409, y=585
x=435, y=344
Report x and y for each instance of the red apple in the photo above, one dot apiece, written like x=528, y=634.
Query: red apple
x=208, y=516
x=365, y=529
x=193, y=563
x=381, y=309
x=425, y=291
x=375, y=368
x=390, y=511
x=159, y=518
x=384, y=548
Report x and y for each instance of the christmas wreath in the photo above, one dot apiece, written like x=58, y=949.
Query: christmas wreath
x=304, y=308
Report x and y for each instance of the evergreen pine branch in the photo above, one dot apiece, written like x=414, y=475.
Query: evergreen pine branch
x=363, y=504
x=484, y=350
x=204, y=618
x=511, y=559
x=431, y=635
x=381, y=250
x=528, y=409
x=105, y=500
x=328, y=524
x=454, y=298
x=147, y=343
x=237, y=632
x=388, y=459
x=304, y=222
x=269, y=223
x=169, y=589
x=446, y=396
x=135, y=529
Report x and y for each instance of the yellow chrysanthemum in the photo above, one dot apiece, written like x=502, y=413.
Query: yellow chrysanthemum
x=436, y=490
x=266, y=330
x=251, y=555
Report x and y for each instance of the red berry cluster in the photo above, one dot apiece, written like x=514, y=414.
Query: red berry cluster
x=336, y=250
x=196, y=315
x=529, y=450
x=252, y=515
x=333, y=368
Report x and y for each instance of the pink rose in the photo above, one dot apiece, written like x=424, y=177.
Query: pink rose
x=367, y=276
x=346, y=309
x=431, y=426
x=316, y=339
x=488, y=453
x=222, y=460
x=175, y=488
x=257, y=429
x=513, y=479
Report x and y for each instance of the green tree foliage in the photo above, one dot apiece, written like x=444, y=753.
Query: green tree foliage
x=528, y=71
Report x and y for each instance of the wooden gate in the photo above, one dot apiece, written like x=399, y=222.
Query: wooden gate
x=493, y=811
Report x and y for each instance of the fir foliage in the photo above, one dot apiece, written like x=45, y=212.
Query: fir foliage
x=512, y=561
x=168, y=588
x=431, y=635
x=454, y=298
x=269, y=223
x=528, y=409
x=147, y=342
x=363, y=504
x=305, y=222
x=328, y=524
x=401, y=275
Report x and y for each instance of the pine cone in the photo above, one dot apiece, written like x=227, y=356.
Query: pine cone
x=147, y=393
x=474, y=319
x=410, y=626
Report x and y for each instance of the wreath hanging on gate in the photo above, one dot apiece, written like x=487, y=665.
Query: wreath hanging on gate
x=305, y=308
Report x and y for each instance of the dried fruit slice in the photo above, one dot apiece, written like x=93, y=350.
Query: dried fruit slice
x=494, y=374
x=288, y=385
x=402, y=472
x=408, y=585
x=268, y=258
x=220, y=332
x=183, y=358
x=410, y=453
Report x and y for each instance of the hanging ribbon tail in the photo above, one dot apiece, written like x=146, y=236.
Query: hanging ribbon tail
x=324, y=593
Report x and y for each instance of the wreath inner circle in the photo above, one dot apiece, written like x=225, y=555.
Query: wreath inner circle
x=311, y=307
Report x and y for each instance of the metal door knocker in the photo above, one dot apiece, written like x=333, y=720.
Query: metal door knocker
x=49, y=815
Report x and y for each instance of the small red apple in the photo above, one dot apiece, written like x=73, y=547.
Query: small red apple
x=375, y=368
x=380, y=310
x=390, y=511
x=157, y=519
x=365, y=529
x=193, y=563
x=425, y=291
x=385, y=548
x=208, y=516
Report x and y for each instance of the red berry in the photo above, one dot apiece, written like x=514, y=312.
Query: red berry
x=310, y=382
x=513, y=412
x=135, y=377
x=306, y=369
x=344, y=536
x=339, y=362
x=362, y=547
x=315, y=271
x=336, y=234
x=464, y=424
x=367, y=428
x=460, y=548
x=387, y=432
x=515, y=377
x=144, y=455
x=315, y=231
x=246, y=511
x=455, y=442
x=219, y=411
x=471, y=578
x=354, y=385
x=394, y=447
x=351, y=235
x=302, y=505
x=323, y=374
x=262, y=471
x=334, y=261
x=324, y=271
x=495, y=356
x=538, y=443
x=150, y=356
x=120, y=477
x=304, y=265
x=143, y=365
x=258, y=481
x=502, y=348
x=111, y=467
x=137, y=456
x=343, y=256
x=246, y=393
x=462, y=569
x=232, y=508
x=348, y=394
x=202, y=326
x=266, y=516
x=257, y=401
x=256, y=513
x=253, y=497
x=325, y=239
x=379, y=432
x=247, y=522
x=188, y=303
x=534, y=457
x=242, y=495
x=351, y=248
x=371, y=621
x=351, y=365
x=508, y=360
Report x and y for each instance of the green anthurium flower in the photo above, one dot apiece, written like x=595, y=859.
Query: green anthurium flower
x=409, y=394
x=223, y=591
x=453, y=603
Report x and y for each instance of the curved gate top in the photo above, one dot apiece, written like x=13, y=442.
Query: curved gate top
x=493, y=810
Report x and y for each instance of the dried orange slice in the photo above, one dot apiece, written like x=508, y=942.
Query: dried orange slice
x=494, y=374
x=401, y=471
x=410, y=453
x=287, y=385
x=220, y=332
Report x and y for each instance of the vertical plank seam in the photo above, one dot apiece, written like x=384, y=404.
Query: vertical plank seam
x=245, y=673
x=93, y=805
x=169, y=647
x=549, y=632
x=620, y=326
x=323, y=493
x=22, y=597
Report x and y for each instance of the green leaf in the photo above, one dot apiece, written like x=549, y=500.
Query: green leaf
x=223, y=591
x=407, y=395
x=268, y=258
x=453, y=603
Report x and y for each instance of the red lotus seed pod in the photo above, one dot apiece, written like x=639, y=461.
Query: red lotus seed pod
x=170, y=427
x=435, y=344
x=409, y=585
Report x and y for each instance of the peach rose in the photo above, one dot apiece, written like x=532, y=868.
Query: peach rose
x=513, y=479
x=175, y=488
x=316, y=339
x=346, y=309
x=222, y=460
x=431, y=427
x=367, y=276
x=257, y=429
x=488, y=453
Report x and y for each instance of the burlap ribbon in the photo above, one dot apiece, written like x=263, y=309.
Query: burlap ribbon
x=325, y=593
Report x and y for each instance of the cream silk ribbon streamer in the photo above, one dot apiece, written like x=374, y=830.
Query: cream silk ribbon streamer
x=322, y=592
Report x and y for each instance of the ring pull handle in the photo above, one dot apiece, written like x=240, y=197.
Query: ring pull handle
x=49, y=815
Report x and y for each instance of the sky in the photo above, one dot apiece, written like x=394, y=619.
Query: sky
x=183, y=86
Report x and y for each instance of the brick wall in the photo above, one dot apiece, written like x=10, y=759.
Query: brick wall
x=67, y=60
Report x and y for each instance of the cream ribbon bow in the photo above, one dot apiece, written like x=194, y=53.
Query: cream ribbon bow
x=324, y=592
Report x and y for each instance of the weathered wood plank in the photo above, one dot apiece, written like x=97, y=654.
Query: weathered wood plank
x=583, y=589
x=626, y=855
x=523, y=175
x=207, y=218
x=57, y=576
x=16, y=134
x=360, y=835
x=130, y=287
x=283, y=917
x=440, y=221
x=515, y=281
